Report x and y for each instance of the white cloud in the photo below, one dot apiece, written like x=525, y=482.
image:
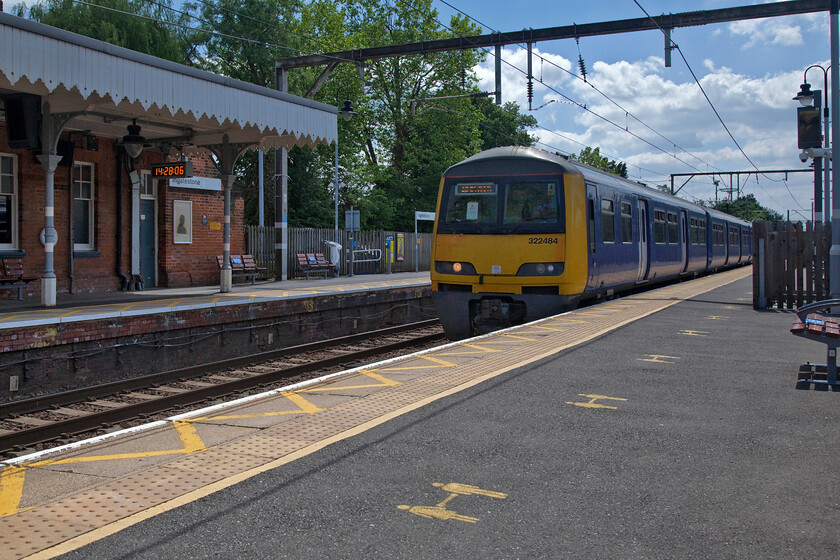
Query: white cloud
x=758, y=111
x=767, y=32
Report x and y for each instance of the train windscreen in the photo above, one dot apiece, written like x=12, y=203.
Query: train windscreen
x=502, y=205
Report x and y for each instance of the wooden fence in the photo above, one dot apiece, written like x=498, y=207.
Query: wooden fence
x=260, y=242
x=790, y=263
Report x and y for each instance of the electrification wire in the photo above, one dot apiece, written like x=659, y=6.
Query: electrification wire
x=585, y=108
x=590, y=84
x=574, y=102
x=709, y=101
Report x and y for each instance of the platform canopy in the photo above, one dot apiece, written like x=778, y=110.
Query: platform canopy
x=102, y=88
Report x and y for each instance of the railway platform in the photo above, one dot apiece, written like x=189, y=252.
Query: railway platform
x=662, y=425
x=103, y=337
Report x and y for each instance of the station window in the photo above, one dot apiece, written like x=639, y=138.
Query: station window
x=659, y=226
x=608, y=220
x=83, y=215
x=8, y=201
x=626, y=223
x=672, y=228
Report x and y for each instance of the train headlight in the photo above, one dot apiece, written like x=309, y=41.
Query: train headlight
x=540, y=269
x=447, y=267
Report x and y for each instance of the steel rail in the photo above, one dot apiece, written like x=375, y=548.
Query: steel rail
x=94, y=420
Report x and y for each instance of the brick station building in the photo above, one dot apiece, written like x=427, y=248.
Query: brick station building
x=77, y=206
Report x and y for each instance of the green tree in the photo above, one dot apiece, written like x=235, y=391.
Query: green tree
x=593, y=157
x=747, y=208
x=118, y=25
x=504, y=125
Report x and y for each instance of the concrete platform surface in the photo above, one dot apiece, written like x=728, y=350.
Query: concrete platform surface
x=663, y=425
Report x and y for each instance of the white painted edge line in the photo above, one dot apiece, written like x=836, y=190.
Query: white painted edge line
x=77, y=444
x=288, y=388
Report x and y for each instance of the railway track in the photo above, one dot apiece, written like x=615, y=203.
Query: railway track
x=57, y=419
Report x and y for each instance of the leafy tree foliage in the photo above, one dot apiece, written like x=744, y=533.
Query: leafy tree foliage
x=593, y=157
x=147, y=34
x=746, y=208
x=391, y=158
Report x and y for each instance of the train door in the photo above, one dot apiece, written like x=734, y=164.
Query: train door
x=684, y=240
x=591, y=232
x=643, y=241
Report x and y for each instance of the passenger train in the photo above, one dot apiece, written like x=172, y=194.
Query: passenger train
x=521, y=234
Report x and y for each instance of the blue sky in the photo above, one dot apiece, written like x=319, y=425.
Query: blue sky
x=750, y=70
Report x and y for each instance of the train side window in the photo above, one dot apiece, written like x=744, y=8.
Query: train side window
x=658, y=226
x=701, y=231
x=694, y=232
x=672, y=228
x=608, y=220
x=717, y=234
x=626, y=223
x=591, y=226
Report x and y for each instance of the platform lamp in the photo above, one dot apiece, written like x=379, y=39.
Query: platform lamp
x=807, y=98
x=133, y=142
x=346, y=113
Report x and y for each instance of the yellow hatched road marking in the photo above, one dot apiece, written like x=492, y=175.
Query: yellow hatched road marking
x=11, y=489
x=658, y=359
x=482, y=349
x=518, y=337
x=189, y=436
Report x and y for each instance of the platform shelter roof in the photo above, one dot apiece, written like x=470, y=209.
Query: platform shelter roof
x=104, y=87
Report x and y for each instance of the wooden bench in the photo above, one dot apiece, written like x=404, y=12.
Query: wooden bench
x=308, y=264
x=816, y=322
x=242, y=266
x=12, y=277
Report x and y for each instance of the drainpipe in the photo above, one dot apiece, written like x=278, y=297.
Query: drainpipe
x=122, y=167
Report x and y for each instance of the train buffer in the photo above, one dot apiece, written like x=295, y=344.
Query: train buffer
x=819, y=321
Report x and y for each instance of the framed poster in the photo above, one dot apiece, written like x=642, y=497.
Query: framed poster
x=182, y=221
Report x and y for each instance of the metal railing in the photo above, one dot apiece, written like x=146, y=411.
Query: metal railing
x=260, y=243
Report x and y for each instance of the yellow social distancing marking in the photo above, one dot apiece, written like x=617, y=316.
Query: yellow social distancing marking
x=716, y=317
x=688, y=332
x=455, y=489
x=659, y=359
x=593, y=404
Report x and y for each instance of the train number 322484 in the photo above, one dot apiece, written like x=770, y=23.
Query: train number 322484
x=543, y=240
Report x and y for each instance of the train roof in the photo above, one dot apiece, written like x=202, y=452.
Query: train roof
x=591, y=173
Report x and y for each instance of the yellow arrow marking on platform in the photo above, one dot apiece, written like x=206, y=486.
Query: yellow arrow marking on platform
x=547, y=328
x=304, y=406
x=518, y=337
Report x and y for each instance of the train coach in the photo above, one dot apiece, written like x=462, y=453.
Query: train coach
x=521, y=234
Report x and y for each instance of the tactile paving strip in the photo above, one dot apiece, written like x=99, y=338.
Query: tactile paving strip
x=423, y=379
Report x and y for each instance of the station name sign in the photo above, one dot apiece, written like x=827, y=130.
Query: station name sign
x=173, y=170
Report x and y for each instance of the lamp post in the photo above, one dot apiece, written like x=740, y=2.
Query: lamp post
x=346, y=113
x=818, y=98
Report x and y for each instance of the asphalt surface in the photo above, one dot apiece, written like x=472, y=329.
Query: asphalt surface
x=713, y=454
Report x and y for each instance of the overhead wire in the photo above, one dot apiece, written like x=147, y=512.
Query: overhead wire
x=717, y=114
x=590, y=84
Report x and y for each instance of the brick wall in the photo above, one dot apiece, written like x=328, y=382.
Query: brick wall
x=97, y=271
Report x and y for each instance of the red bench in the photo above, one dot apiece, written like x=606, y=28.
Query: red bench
x=242, y=266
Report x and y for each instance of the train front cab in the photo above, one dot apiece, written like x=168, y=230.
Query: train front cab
x=498, y=258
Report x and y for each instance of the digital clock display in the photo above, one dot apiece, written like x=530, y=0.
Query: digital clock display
x=174, y=170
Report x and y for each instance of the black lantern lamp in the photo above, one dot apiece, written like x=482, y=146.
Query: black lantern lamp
x=347, y=111
x=805, y=95
x=132, y=141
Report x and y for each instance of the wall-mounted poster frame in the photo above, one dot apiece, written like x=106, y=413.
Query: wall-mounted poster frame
x=182, y=221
